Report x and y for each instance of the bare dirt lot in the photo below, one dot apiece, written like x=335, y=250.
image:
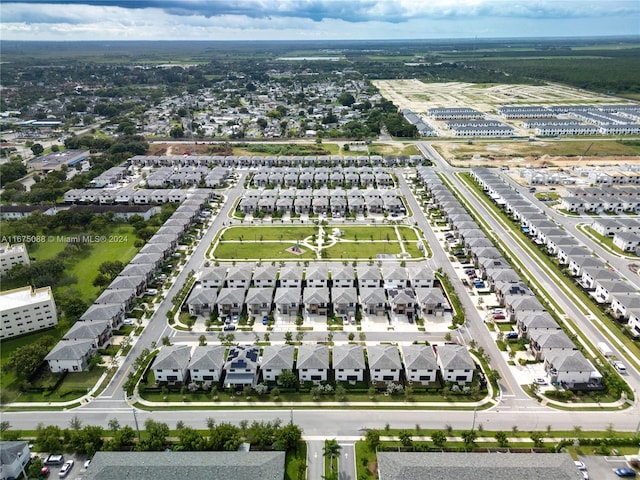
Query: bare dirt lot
x=566, y=153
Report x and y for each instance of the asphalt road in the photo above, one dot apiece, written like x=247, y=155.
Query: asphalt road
x=513, y=409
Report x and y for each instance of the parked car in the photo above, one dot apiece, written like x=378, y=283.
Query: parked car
x=265, y=320
x=625, y=472
x=235, y=319
x=543, y=381
x=65, y=469
x=580, y=465
x=44, y=472
x=54, y=459
x=499, y=316
x=345, y=320
x=87, y=463
x=228, y=327
x=511, y=335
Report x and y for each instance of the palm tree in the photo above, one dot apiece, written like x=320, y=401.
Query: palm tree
x=331, y=450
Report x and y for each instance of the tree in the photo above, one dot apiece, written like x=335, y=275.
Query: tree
x=469, y=439
x=406, y=438
x=501, y=438
x=288, y=336
x=49, y=438
x=202, y=339
x=331, y=450
x=287, y=437
x=26, y=360
x=288, y=379
x=536, y=437
x=75, y=423
x=37, y=149
x=157, y=433
x=439, y=438
x=111, y=269
x=372, y=438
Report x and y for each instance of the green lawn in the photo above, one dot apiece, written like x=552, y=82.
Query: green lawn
x=8, y=383
x=86, y=268
x=73, y=386
x=363, y=249
x=256, y=250
x=294, y=462
x=366, y=233
x=46, y=250
x=268, y=233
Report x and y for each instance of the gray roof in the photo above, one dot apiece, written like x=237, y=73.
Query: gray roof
x=455, y=357
x=419, y=357
x=313, y=356
x=287, y=295
x=278, y=357
x=348, y=356
x=568, y=361
x=476, y=466
x=191, y=465
x=383, y=357
x=208, y=357
x=87, y=330
x=70, y=350
x=172, y=358
x=373, y=295
x=9, y=450
x=231, y=295
x=316, y=295
x=344, y=295
x=551, y=339
x=259, y=295
x=265, y=272
x=202, y=296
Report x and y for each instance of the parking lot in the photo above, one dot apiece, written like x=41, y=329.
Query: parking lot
x=601, y=468
x=54, y=469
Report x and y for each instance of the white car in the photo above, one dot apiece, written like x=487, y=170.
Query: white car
x=65, y=469
x=540, y=380
x=580, y=465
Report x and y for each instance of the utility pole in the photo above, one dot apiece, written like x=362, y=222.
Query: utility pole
x=135, y=418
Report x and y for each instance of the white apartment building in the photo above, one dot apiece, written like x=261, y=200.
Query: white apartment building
x=25, y=310
x=11, y=255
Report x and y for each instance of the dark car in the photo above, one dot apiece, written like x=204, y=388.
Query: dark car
x=229, y=328
x=54, y=459
x=265, y=320
x=625, y=472
x=511, y=335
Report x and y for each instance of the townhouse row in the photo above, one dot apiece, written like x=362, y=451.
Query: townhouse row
x=317, y=177
x=564, y=364
x=242, y=366
x=320, y=289
x=254, y=161
x=338, y=202
x=94, y=329
x=606, y=286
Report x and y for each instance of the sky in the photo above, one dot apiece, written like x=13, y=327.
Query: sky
x=69, y=20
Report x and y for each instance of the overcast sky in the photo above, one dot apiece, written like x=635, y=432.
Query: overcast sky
x=313, y=19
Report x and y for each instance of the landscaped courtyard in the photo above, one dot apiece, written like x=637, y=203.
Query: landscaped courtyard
x=322, y=241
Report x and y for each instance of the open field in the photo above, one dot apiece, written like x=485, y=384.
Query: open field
x=420, y=96
x=257, y=242
x=251, y=250
x=268, y=233
x=560, y=153
x=86, y=268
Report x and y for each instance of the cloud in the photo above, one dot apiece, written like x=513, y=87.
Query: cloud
x=312, y=19
x=356, y=11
